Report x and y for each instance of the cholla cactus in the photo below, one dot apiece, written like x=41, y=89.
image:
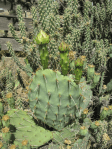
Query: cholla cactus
x=73, y=27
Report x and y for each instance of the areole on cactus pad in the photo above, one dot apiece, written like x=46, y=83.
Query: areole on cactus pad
x=42, y=38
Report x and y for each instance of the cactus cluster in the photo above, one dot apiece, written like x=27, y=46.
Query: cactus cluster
x=64, y=72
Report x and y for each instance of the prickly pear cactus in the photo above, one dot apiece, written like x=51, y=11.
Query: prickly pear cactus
x=27, y=132
x=68, y=133
x=70, y=136
x=56, y=99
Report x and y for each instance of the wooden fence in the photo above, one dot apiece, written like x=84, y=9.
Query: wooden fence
x=7, y=17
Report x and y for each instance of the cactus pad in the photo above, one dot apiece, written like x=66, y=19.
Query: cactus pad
x=54, y=98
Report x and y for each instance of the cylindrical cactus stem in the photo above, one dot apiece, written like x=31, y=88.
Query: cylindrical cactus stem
x=78, y=74
x=78, y=70
x=83, y=57
x=42, y=40
x=110, y=50
x=90, y=72
x=1, y=108
x=64, y=55
x=95, y=79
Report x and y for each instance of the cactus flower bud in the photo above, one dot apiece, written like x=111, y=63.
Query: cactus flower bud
x=42, y=38
x=79, y=62
x=63, y=47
